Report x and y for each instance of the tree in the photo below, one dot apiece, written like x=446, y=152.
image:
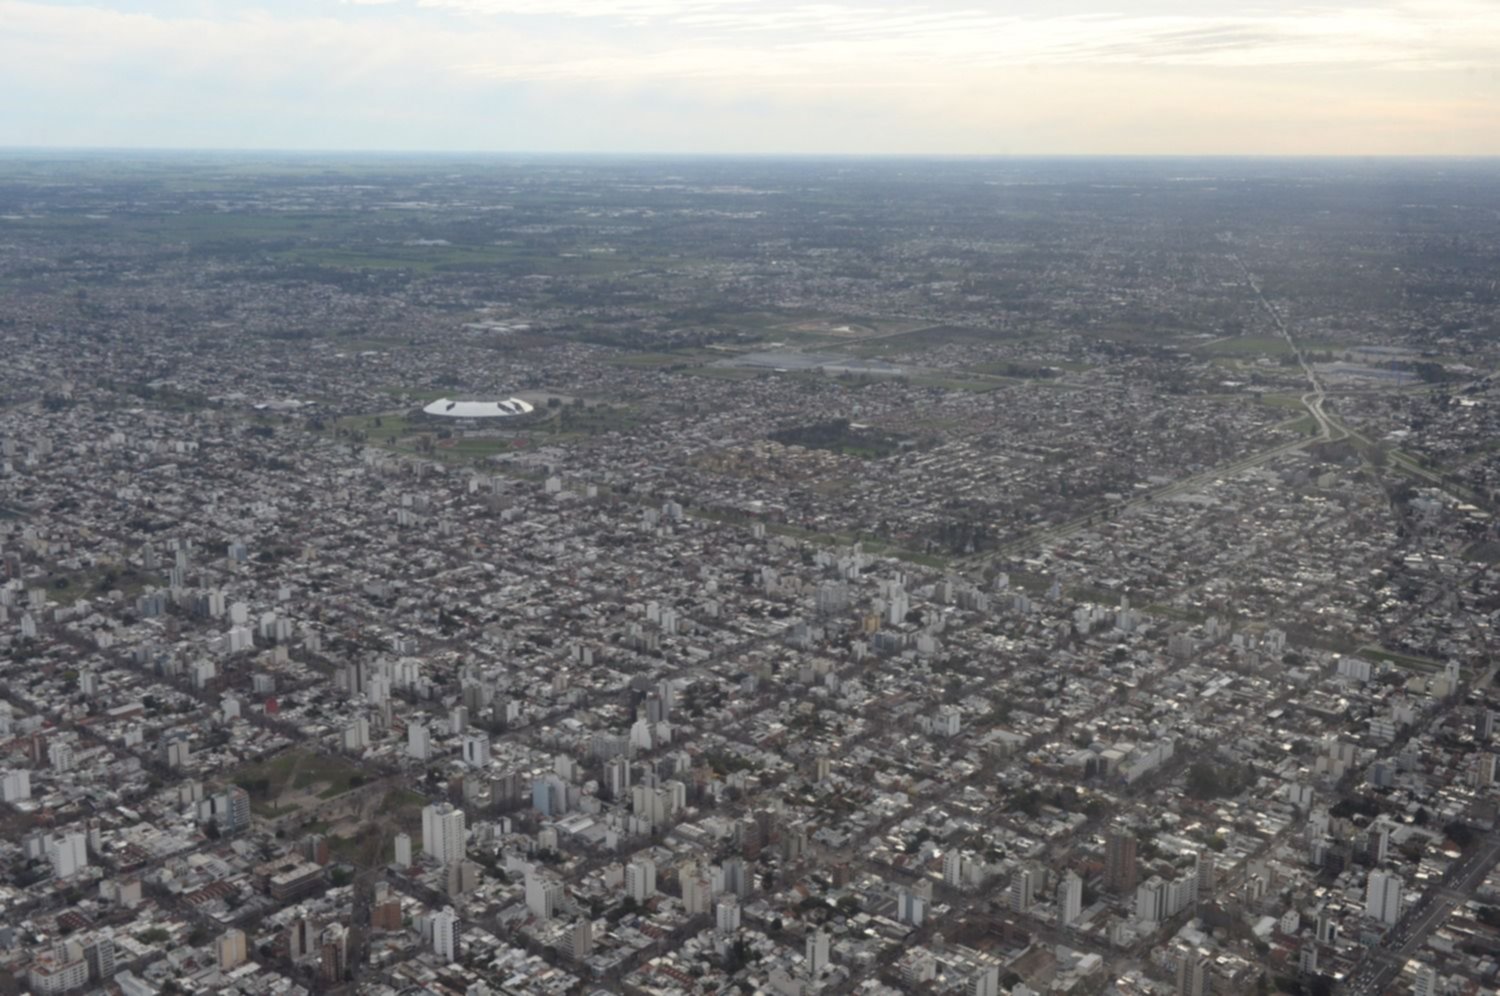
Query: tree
x=1206, y=780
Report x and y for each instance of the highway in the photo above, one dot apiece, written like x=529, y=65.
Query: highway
x=1384, y=962
x=1313, y=400
x=1329, y=430
x=1380, y=967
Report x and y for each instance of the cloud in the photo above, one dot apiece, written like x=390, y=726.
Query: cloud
x=848, y=75
x=705, y=39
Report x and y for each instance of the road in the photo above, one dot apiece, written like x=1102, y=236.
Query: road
x=1380, y=967
x=1385, y=961
x=1329, y=430
x=1313, y=400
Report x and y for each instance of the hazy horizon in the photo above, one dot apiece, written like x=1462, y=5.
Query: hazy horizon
x=687, y=155
x=731, y=77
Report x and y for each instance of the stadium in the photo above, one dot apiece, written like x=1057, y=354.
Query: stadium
x=507, y=408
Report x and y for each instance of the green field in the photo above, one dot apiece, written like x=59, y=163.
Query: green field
x=725, y=373
x=416, y=436
x=654, y=361
x=974, y=385
x=1246, y=346
x=1404, y=661
x=66, y=589
x=273, y=781
x=1290, y=402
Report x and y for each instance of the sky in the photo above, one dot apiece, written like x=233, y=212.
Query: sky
x=915, y=77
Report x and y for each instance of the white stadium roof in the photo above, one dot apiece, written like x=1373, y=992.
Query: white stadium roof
x=478, y=409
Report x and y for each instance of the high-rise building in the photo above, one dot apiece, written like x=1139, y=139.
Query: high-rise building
x=99, y=953
x=357, y=735
x=463, y=877
x=817, y=952
x=229, y=810
x=544, y=895
x=1378, y=842
x=911, y=908
x=1070, y=898
x=1192, y=975
x=1383, y=897
x=301, y=938
x=727, y=915
x=580, y=940
x=1022, y=890
x=386, y=914
x=477, y=749
x=986, y=981
x=1151, y=900
x=736, y=877
x=445, y=934
x=1119, y=862
x=403, y=850
x=617, y=776
x=1426, y=981
x=60, y=970
x=953, y=867
x=697, y=891
x=444, y=833
x=231, y=949
x=60, y=753
x=333, y=953
x=640, y=879
x=1206, y=871
x=239, y=809
x=15, y=786
x=418, y=743
x=68, y=853
x=1487, y=770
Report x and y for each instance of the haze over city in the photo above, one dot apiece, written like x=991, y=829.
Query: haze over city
x=713, y=498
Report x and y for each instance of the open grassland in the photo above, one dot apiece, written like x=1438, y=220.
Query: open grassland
x=295, y=779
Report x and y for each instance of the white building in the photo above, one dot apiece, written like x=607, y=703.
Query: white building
x=15, y=786
x=817, y=952
x=445, y=934
x=544, y=895
x=953, y=868
x=418, y=743
x=357, y=735
x=1383, y=897
x=443, y=833
x=1022, y=890
x=1070, y=898
x=640, y=879
x=60, y=754
x=68, y=853
x=477, y=749
x=727, y=915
